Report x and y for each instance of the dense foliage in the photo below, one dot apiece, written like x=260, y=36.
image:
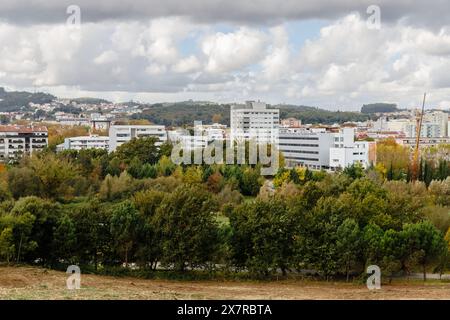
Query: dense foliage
x=379, y=107
x=134, y=207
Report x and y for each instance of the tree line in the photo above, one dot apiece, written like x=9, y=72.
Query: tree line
x=135, y=207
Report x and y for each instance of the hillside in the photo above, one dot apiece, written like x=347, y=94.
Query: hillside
x=185, y=113
x=379, y=107
x=17, y=100
x=317, y=115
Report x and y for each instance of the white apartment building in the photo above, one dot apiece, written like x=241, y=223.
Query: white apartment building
x=254, y=121
x=215, y=131
x=439, y=118
x=434, y=124
x=190, y=142
x=428, y=130
x=346, y=151
x=306, y=147
x=17, y=140
x=85, y=142
x=119, y=134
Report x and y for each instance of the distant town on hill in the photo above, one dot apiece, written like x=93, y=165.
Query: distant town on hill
x=186, y=112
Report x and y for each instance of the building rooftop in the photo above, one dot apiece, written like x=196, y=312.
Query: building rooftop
x=22, y=128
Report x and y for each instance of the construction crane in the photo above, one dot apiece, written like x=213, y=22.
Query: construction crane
x=415, y=163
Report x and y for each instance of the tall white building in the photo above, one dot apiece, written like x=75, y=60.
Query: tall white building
x=119, y=134
x=254, y=121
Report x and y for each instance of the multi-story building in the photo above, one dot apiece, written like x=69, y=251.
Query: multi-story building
x=99, y=122
x=85, y=142
x=189, y=142
x=291, y=123
x=214, y=131
x=424, y=141
x=439, y=118
x=119, y=134
x=346, y=151
x=17, y=140
x=428, y=130
x=306, y=147
x=254, y=121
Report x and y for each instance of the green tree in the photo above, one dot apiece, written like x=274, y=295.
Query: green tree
x=348, y=244
x=263, y=236
x=426, y=242
x=186, y=219
x=250, y=182
x=143, y=148
x=55, y=175
x=149, y=249
x=64, y=239
x=23, y=182
x=124, y=228
x=7, y=247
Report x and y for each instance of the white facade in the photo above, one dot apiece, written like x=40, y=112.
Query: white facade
x=346, y=151
x=308, y=148
x=428, y=130
x=86, y=142
x=254, y=121
x=190, y=142
x=17, y=140
x=119, y=134
x=439, y=118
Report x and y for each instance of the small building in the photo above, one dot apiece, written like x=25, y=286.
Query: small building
x=120, y=134
x=291, y=123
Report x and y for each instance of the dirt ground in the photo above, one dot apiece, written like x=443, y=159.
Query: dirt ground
x=38, y=283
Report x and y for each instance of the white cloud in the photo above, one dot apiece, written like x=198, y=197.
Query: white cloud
x=188, y=64
x=235, y=50
x=106, y=57
x=344, y=64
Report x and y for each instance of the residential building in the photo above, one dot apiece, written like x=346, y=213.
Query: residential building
x=17, y=140
x=254, y=121
x=99, y=122
x=85, y=142
x=291, y=123
x=428, y=130
x=119, y=134
x=424, y=141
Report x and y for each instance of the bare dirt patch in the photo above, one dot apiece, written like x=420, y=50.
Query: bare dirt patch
x=39, y=283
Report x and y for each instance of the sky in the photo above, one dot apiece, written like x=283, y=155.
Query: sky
x=328, y=54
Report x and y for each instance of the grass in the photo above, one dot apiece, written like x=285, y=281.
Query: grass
x=24, y=282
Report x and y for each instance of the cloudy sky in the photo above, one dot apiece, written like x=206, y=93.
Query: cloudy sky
x=320, y=53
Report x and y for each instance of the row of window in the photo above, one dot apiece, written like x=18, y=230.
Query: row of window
x=299, y=145
x=302, y=158
x=300, y=138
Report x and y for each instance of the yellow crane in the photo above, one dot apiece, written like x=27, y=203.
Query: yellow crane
x=415, y=163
